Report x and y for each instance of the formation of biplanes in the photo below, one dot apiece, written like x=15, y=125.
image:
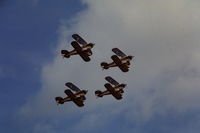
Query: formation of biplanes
x=84, y=50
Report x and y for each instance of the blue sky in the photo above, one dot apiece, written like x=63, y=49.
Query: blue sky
x=163, y=89
x=28, y=33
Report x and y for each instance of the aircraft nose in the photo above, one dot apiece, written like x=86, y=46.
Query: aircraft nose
x=125, y=85
x=85, y=91
x=131, y=57
x=92, y=45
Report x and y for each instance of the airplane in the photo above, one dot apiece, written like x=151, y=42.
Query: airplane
x=78, y=97
x=84, y=51
x=123, y=61
x=115, y=89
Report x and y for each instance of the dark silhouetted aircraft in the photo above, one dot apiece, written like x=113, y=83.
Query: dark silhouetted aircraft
x=123, y=61
x=84, y=50
x=78, y=97
x=115, y=89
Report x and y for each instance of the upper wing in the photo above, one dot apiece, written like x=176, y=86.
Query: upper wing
x=72, y=86
x=69, y=93
x=79, y=39
x=111, y=80
x=118, y=52
x=116, y=94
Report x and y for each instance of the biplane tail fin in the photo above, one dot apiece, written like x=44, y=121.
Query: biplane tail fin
x=98, y=93
x=59, y=100
x=65, y=53
x=104, y=65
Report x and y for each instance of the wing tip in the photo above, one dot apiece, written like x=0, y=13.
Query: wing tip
x=68, y=83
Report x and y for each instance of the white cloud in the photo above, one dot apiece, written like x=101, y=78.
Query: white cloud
x=164, y=37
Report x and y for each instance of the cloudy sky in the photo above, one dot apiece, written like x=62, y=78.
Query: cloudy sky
x=163, y=88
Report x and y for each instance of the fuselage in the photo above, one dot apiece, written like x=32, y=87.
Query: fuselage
x=124, y=60
x=77, y=95
x=117, y=88
x=85, y=48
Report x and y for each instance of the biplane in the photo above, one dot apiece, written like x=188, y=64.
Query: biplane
x=78, y=97
x=113, y=88
x=120, y=59
x=84, y=49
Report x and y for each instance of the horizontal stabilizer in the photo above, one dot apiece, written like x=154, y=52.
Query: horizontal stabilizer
x=65, y=53
x=59, y=100
x=98, y=93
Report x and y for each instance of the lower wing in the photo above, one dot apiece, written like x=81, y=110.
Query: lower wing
x=84, y=56
x=116, y=94
x=124, y=67
x=78, y=102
